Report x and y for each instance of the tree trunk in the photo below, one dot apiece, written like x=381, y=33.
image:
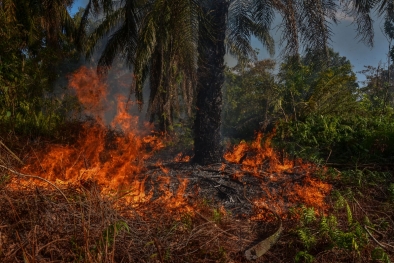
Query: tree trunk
x=211, y=48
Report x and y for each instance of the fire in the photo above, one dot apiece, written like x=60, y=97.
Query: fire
x=181, y=158
x=113, y=157
x=297, y=187
x=254, y=156
x=90, y=90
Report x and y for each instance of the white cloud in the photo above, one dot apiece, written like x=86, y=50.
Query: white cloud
x=342, y=16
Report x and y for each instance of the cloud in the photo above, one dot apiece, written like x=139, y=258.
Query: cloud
x=342, y=16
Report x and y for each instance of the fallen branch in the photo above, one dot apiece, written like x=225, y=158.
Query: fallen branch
x=11, y=152
x=263, y=246
x=377, y=242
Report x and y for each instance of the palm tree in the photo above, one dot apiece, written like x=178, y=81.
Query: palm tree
x=158, y=40
x=149, y=42
x=305, y=23
x=43, y=23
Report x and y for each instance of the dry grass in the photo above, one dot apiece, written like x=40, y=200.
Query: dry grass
x=40, y=222
x=38, y=225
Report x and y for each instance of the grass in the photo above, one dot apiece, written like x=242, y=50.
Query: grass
x=38, y=224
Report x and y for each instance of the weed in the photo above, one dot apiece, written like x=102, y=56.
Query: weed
x=326, y=230
x=378, y=254
x=390, y=190
x=217, y=216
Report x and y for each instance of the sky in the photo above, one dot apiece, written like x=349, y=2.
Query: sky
x=343, y=41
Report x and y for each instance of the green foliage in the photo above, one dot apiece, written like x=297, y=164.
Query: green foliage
x=217, y=215
x=4, y=180
x=391, y=191
x=328, y=232
x=345, y=140
x=306, y=237
x=315, y=87
x=380, y=255
x=187, y=221
x=250, y=99
x=32, y=47
x=39, y=115
x=307, y=216
x=365, y=179
x=303, y=256
x=377, y=96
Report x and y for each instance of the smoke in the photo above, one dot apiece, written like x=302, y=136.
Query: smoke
x=104, y=98
x=118, y=83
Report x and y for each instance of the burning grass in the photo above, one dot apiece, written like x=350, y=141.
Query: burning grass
x=179, y=212
x=104, y=199
x=39, y=225
x=92, y=202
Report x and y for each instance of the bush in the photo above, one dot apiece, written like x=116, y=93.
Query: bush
x=345, y=140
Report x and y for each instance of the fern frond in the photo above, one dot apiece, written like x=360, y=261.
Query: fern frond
x=349, y=214
x=307, y=239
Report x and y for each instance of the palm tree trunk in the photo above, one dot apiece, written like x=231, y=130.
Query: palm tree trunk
x=211, y=48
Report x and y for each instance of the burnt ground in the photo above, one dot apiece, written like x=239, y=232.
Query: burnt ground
x=37, y=224
x=224, y=187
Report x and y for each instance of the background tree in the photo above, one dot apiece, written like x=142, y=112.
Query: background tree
x=251, y=96
x=307, y=88
x=232, y=23
x=158, y=40
x=378, y=97
x=36, y=37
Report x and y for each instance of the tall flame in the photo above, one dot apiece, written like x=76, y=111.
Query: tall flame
x=111, y=157
x=90, y=90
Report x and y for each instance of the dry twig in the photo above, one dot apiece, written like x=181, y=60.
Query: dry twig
x=34, y=177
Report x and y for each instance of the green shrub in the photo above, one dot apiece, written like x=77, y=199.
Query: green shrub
x=338, y=139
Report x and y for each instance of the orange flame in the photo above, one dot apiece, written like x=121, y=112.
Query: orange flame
x=254, y=156
x=181, y=158
x=91, y=92
x=260, y=159
x=114, y=158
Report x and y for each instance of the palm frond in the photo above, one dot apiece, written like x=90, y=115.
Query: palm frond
x=109, y=23
x=239, y=31
x=361, y=11
x=114, y=46
x=263, y=16
x=314, y=21
x=81, y=33
x=289, y=26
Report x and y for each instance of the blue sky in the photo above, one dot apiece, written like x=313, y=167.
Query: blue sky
x=343, y=41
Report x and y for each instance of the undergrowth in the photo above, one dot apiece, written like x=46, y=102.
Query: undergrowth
x=359, y=227
x=81, y=224
x=38, y=225
x=337, y=139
